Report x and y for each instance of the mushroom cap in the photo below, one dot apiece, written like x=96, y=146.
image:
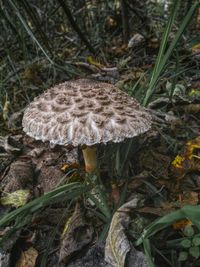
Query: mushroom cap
x=84, y=112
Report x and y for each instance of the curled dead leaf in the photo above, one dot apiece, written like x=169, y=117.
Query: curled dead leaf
x=117, y=244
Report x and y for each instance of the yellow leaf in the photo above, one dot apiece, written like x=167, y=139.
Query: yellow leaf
x=196, y=48
x=191, y=146
x=92, y=61
x=15, y=199
x=178, y=162
x=66, y=227
x=189, y=160
x=6, y=109
x=69, y=166
x=194, y=92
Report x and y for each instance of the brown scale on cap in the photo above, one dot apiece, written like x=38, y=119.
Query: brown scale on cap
x=85, y=112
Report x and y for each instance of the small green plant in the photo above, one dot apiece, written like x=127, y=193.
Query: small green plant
x=190, y=245
x=192, y=213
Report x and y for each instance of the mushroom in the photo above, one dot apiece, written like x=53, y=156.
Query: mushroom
x=83, y=113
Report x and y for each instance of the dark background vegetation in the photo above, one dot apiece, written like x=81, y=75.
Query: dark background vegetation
x=42, y=40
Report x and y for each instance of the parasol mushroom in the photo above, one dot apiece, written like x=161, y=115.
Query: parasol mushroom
x=83, y=113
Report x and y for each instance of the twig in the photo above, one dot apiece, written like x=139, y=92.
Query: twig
x=125, y=24
x=75, y=26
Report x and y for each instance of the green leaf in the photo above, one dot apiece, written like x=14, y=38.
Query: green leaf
x=186, y=243
x=183, y=256
x=195, y=252
x=196, y=241
x=188, y=231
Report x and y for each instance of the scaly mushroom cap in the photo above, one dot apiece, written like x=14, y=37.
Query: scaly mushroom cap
x=84, y=112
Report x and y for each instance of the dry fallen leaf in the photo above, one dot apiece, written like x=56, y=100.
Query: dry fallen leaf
x=156, y=162
x=19, y=176
x=16, y=199
x=27, y=258
x=4, y=259
x=191, y=108
x=181, y=224
x=76, y=235
x=6, y=109
x=189, y=198
x=196, y=49
x=70, y=166
x=117, y=244
x=136, y=40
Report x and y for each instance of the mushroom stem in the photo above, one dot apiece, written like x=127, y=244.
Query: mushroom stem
x=90, y=158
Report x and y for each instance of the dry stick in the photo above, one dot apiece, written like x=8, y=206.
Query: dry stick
x=125, y=24
x=75, y=26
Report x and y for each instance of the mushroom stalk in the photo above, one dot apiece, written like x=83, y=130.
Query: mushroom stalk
x=90, y=158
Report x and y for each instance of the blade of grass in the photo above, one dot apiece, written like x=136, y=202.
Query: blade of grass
x=98, y=197
x=28, y=30
x=68, y=191
x=4, y=15
x=157, y=71
x=35, y=20
x=190, y=212
x=163, y=58
x=53, y=235
x=147, y=250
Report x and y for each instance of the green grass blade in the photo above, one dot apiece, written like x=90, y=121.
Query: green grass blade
x=69, y=191
x=98, y=197
x=35, y=20
x=165, y=39
x=163, y=58
x=190, y=212
x=147, y=250
x=28, y=30
x=187, y=212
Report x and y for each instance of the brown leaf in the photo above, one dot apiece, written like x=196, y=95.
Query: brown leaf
x=19, y=176
x=192, y=108
x=189, y=198
x=27, y=258
x=155, y=162
x=50, y=177
x=76, y=235
x=181, y=224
